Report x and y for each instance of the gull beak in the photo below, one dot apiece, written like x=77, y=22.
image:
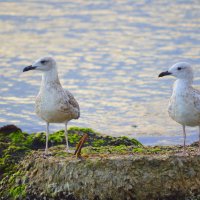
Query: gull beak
x=29, y=68
x=164, y=74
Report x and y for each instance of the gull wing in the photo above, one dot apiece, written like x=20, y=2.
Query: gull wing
x=72, y=100
x=70, y=105
x=196, y=98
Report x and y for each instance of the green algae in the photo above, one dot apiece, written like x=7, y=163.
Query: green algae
x=38, y=140
x=18, y=192
x=98, y=143
x=10, y=157
x=151, y=150
x=121, y=149
x=11, y=185
x=18, y=138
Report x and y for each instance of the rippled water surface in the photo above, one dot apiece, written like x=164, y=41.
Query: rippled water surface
x=109, y=54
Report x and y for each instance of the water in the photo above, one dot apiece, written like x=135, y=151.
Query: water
x=109, y=55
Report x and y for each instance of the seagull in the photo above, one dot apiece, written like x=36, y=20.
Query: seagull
x=53, y=104
x=184, y=105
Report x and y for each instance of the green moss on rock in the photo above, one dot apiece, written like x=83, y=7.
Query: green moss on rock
x=18, y=192
x=120, y=174
x=120, y=164
x=14, y=146
x=74, y=135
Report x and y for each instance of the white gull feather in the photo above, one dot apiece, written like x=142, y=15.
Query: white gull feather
x=184, y=105
x=53, y=104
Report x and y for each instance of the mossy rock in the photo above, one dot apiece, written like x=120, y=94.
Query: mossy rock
x=27, y=173
x=15, y=145
x=124, y=173
x=37, y=141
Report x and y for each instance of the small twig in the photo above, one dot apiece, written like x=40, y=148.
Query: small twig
x=80, y=145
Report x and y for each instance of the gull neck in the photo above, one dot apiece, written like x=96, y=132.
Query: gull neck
x=50, y=76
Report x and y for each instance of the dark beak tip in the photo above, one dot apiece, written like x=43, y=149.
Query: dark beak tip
x=164, y=74
x=28, y=68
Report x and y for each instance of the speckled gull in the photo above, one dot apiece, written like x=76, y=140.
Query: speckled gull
x=53, y=104
x=184, y=105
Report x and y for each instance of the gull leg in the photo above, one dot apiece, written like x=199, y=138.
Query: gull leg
x=47, y=136
x=66, y=137
x=199, y=140
x=184, y=143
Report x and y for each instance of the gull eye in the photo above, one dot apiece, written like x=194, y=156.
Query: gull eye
x=43, y=61
x=179, y=68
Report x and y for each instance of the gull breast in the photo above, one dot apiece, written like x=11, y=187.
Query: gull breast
x=183, y=110
x=53, y=105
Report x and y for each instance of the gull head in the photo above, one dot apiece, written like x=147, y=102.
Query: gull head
x=181, y=70
x=44, y=64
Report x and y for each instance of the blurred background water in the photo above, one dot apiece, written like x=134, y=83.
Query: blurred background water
x=109, y=54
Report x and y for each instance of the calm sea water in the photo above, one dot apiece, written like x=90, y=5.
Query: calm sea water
x=109, y=54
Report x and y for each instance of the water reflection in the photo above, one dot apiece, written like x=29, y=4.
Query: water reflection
x=109, y=54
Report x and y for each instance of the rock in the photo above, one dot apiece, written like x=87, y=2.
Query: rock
x=110, y=176
x=125, y=171
x=9, y=129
